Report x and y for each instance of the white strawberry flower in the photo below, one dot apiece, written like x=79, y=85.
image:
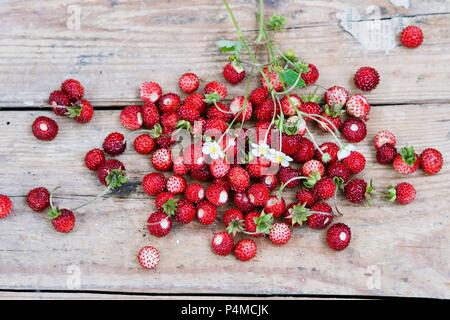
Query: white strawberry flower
x=260, y=150
x=279, y=157
x=345, y=151
x=213, y=149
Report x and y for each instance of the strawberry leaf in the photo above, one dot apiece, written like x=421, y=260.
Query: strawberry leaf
x=227, y=46
x=292, y=78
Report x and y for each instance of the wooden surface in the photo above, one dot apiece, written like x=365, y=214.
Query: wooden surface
x=395, y=251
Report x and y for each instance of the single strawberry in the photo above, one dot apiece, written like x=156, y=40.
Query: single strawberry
x=275, y=206
x=144, y=144
x=336, y=96
x=431, y=161
x=321, y=215
x=280, y=233
x=162, y=159
x=73, y=89
x=258, y=96
x=324, y=189
x=44, y=128
x=148, y=257
x=357, y=190
x=114, y=144
x=231, y=216
x=239, y=179
x=165, y=141
x=355, y=162
x=411, y=37
x=159, y=224
x=305, y=197
x=201, y=173
x=403, y=193
x=384, y=137
x=286, y=174
x=311, y=76
x=179, y=167
x=354, y=130
x=176, y=184
x=150, y=115
x=169, y=102
x=243, y=111
x=185, y=212
x=258, y=194
x=215, y=127
x=59, y=100
x=219, y=111
x=94, y=159
x=206, y=212
x=310, y=108
x=290, y=104
x=162, y=198
x=305, y=151
x=366, y=78
x=406, y=161
x=154, y=183
x=219, y=168
x=217, y=194
x=233, y=73
x=271, y=80
x=258, y=168
x=6, y=206
x=38, y=199
x=265, y=111
x=169, y=121
x=82, y=111
x=112, y=173
x=339, y=172
x=250, y=224
x=189, y=113
x=150, y=92
x=357, y=106
x=328, y=152
x=338, y=236
x=386, y=154
x=222, y=243
x=131, y=117
x=313, y=167
x=331, y=120
x=291, y=144
x=189, y=82
x=242, y=202
x=194, y=192
x=197, y=101
x=245, y=250
x=216, y=88
x=63, y=220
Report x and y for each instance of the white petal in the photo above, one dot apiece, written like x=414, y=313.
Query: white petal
x=214, y=156
x=206, y=149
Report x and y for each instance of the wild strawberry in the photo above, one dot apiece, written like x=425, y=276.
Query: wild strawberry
x=305, y=197
x=219, y=168
x=258, y=168
x=313, y=167
x=240, y=110
x=63, y=220
x=45, y=128
x=114, y=144
x=287, y=173
x=296, y=214
x=245, y=250
x=329, y=152
x=162, y=199
x=384, y=137
x=354, y=130
x=258, y=194
x=275, y=206
x=162, y=159
x=73, y=89
x=406, y=161
x=310, y=108
x=189, y=113
x=194, y=192
x=357, y=190
x=386, y=154
x=250, y=223
x=176, y=184
x=189, y=82
x=239, y=179
x=206, y=212
x=358, y=107
x=290, y=144
x=265, y=111
x=338, y=236
x=165, y=141
x=144, y=144
x=94, y=159
x=169, y=121
x=201, y=173
x=159, y=224
x=431, y=161
x=242, y=201
x=154, y=183
x=338, y=170
x=280, y=233
x=215, y=87
x=215, y=126
x=367, y=78
x=196, y=101
x=311, y=76
x=403, y=193
x=169, y=102
x=38, y=199
x=305, y=151
x=258, y=96
x=272, y=78
x=82, y=111
x=216, y=194
x=324, y=189
x=150, y=92
x=331, y=120
x=131, y=117
x=336, y=96
x=112, y=173
x=5, y=206
x=179, y=167
x=321, y=215
x=233, y=74
x=233, y=219
x=185, y=212
x=411, y=37
x=220, y=111
x=289, y=105
x=355, y=162
x=58, y=100
x=148, y=257
x=222, y=243
x=150, y=115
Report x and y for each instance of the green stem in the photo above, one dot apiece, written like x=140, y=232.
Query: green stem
x=101, y=195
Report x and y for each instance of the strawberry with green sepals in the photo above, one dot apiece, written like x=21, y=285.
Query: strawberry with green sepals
x=355, y=162
x=176, y=184
x=6, y=206
x=331, y=118
x=162, y=159
x=336, y=96
x=63, y=220
x=154, y=183
x=338, y=236
x=131, y=117
x=162, y=198
x=38, y=199
x=406, y=161
x=245, y=250
x=82, y=111
x=403, y=193
x=215, y=91
x=217, y=194
x=185, y=212
x=358, y=190
x=45, y=128
x=339, y=172
x=275, y=206
x=294, y=125
x=312, y=167
x=279, y=233
x=431, y=161
x=94, y=159
x=232, y=216
x=311, y=76
x=150, y=92
x=233, y=72
x=112, y=174
x=384, y=137
x=252, y=221
x=159, y=224
x=189, y=82
x=328, y=152
x=73, y=89
x=114, y=144
x=148, y=257
x=206, y=212
x=222, y=243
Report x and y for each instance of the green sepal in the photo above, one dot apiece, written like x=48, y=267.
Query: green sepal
x=170, y=207
x=326, y=157
x=301, y=67
x=74, y=111
x=235, y=226
x=334, y=111
x=156, y=131
x=290, y=78
x=311, y=97
x=211, y=98
x=292, y=125
x=312, y=180
x=391, y=194
x=276, y=22
x=264, y=223
x=339, y=182
x=408, y=155
x=369, y=190
x=116, y=178
x=291, y=56
x=299, y=214
x=53, y=213
x=184, y=124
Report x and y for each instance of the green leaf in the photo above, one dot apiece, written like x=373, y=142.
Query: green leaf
x=311, y=97
x=226, y=46
x=276, y=22
x=291, y=78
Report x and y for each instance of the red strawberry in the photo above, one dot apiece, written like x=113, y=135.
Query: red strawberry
x=222, y=243
x=355, y=162
x=169, y=121
x=338, y=170
x=150, y=92
x=403, y=193
x=162, y=199
x=73, y=89
x=329, y=152
x=265, y=111
x=321, y=215
x=258, y=96
x=94, y=159
x=411, y=37
x=431, y=161
x=354, y=130
x=311, y=76
x=114, y=144
x=324, y=189
x=290, y=104
x=206, y=212
x=287, y=173
x=219, y=168
x=275, y=206
x=216, y=194
x=280, y=233
x=38, y=199
x=258, y=168
x=162, y=159
x=185, y=212
x=357, y=190
x=179, y=167
x=239, y=179
x=312, y=167
x=220, y=111
x=201, y=173
x=338, y=236
x=242, y=201
x=45, y=128
x=170, y=102
x=215, y=127
x=384, y=137
x=305, y=151
x=189, y=113
x=232, y=215
x=159, y=224
x=245, y=250
x=165, y=141
x=216, y=87
x=305, y=197
x=291, y=144
x=386, y=154
x=58, y=100
x=358, y=107
x=63, y=220
x=176, y=184
x=407, y=161
x=82, y=112
x=367, y=78
x=194, y=192
x=237, y=108
x=196, y=100
x=233, y=73
x=131, y=117
x=250, y=223
x=336, y=96
x=154, y=183
x=189, y=82
x=310, y=108
x=144, y=144
x=273, y=78
x=5, y=206
x=258, y=194
x=148, y=257
x=112, y=173
x=332, y=120
x=150, y=115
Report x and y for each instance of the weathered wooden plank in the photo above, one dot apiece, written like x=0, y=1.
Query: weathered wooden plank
x=120, y=44
x=406, y=248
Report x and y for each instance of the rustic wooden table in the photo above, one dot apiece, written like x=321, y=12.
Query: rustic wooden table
x=112, y=46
